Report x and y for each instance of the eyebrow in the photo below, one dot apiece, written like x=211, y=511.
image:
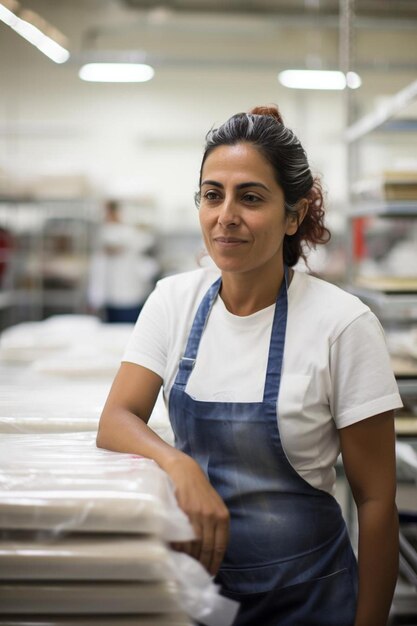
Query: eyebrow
x=214, y=183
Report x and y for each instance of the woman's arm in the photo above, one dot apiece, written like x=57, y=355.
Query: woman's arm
x=123, y=428
x=368, y=451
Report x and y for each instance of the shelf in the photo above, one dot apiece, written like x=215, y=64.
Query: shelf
x=392, y=307
x=404, y=368
x=378, y=118
x=406, y=426
x=384, y=208
x=407, y=388
x=400, y=125
x=389, y=285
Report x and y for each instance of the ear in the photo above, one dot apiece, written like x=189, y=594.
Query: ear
x=295, y=218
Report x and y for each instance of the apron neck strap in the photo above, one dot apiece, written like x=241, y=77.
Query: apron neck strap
x=277, y=343
x=188, y=360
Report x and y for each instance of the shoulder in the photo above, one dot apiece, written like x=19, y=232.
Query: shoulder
x=324, y=303
x=184, y=282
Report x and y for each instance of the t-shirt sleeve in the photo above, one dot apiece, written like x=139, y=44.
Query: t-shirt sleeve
x=147, y=345
x=362, y=380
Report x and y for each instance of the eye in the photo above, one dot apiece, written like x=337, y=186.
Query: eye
x=211, y=195
x=251, y=198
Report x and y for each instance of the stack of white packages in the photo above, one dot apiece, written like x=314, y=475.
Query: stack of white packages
x=84, y=533
x=56, y=375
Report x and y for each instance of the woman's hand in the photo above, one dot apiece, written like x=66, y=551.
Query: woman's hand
x=205, y=509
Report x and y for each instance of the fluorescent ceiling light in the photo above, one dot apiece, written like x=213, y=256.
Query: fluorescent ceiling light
x=116, y=72
x=353, y=80
x=6, y=12
x=319, y=79
x=31, y=27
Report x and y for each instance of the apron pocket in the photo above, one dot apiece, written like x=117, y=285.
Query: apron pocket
x=333, y=556
x=326, y=601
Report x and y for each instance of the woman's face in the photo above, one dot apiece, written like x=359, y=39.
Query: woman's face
x=242, y=212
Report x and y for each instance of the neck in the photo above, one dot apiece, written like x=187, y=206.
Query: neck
x=244, y=295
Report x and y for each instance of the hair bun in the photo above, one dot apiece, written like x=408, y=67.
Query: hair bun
x=271, y=110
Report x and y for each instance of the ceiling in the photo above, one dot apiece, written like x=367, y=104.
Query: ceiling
x=253, y=34
x=381, y=9
x=239, y=35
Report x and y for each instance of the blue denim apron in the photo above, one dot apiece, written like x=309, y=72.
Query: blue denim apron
x=289, y=561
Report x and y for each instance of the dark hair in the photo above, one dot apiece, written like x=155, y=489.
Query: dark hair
x=264, y=128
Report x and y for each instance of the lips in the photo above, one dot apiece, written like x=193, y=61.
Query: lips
x=228, y=240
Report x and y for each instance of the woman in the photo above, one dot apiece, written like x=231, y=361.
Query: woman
x=277, y=372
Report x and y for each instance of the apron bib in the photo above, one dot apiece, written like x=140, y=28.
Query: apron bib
x=289, y=560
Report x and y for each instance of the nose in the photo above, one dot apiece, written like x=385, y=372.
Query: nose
x=228, y=215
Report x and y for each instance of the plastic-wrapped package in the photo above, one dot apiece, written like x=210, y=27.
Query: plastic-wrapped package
x=27, y=341
x=110, y=558
x=63, y=483
x=82, y=557
x=56, y=424
x=30, y=340
x=89, y=597
x=199, y=596
x=92, y=521
x=170, y=619
x=82, y=372
x=85, y=360
x=34, y=341
x=67, y=406
x=29, y=403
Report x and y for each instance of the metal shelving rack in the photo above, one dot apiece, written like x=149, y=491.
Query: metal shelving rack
x=390, y=307
x=26, y=293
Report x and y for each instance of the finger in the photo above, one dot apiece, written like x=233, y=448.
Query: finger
x=186, y=547
x=221, y=537
x=180, y=546
x=207, y=545
x=195, y=545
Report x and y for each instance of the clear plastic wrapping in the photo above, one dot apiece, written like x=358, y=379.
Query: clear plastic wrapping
x=63, y=483
x=82, y=557
x=85, y=532
x=28, y=341
x=74, y=335
x=99, y=565
x=31, y=402
x=89, y=597
x=170, y=619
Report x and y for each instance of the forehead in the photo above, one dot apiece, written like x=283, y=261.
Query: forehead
x=242, y=159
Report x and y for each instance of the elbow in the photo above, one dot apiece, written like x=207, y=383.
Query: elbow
x=101, y=437
x=99, y=442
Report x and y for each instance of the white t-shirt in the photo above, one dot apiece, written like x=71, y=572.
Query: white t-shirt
x=121, y=275
x=336, y=368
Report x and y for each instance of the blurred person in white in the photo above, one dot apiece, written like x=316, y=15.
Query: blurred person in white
x=268, y=374
x=122, y=274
